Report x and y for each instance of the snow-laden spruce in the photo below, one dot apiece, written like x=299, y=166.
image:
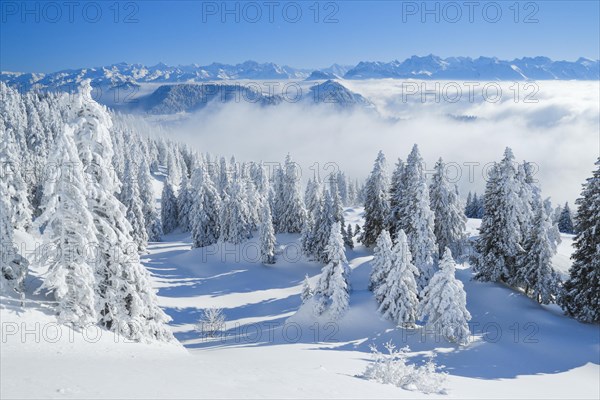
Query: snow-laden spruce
x=168, y=208
x=382, y=260
x=449, y=218
x=581, y=292
x=266, y=235
x=331, y=292
x=535, y=263
x=292, y=214
x=498, y=245
x=184, y=204
x=417, y=219
x=13, y=267
x=11, y=134
x=206, y=209
x=444, y=303
x=397, y=295
x=69, y=236
x=126, y=302
x=321, y=233
x=396, y=193
x=151, y=217
x=474, y=206
x=565, y=221
x=130, y=195
x=234, y=218
x=307, y=290
x=377, y=206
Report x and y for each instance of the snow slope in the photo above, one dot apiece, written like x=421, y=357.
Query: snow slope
x=520, y=349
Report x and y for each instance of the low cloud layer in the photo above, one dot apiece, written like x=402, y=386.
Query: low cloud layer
x=560, y=132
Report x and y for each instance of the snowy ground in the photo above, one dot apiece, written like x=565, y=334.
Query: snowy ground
x=520, y=349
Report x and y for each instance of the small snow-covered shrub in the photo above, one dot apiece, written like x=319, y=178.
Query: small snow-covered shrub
x=391, y=368
x=211, y=323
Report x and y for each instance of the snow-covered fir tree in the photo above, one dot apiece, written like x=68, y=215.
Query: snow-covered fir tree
x=348, y=235
x=565, y=221
x=553, y=232
x=396, y=194
x=147, y=195
x=469, y=206
x=184, y=204
x=580, y=297
x=314, y=207
x=130, y=195
x=498, y=244
x=331, y=293
x=376, y=203
x=342, y=187
x=234, y=217
x=307, y=291
x=126, y=302
x=267, y=236
x=168, y=208
x=382, y=260
x=321, y=234
x=68, y=236
x=450, y=220
x=13, y=267
x=206, y=210
x=444, y=303
x=253, y=198
x=417, y=220
x=398, y=294
x=292, y=213
x=535, y=270
x=21, y=213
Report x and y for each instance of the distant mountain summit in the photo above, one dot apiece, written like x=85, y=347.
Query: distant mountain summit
x=482, y=68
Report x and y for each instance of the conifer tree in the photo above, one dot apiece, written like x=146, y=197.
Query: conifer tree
x=397, y=294
x=377, y=207
x=133, y=203
x=581, y=292
x=418, y=219
x=450, y=221
x=206, y=209
x=292, y=213
x=127, y=303
x=168, y=209
x=348, y=235
x=267, y=236
x=565, y=221
x=382, y=260
x=234, y=217
x=13, y=267
x=307, y=291
x=184, y=204
x=396, y=194
x=148, y=197
x=498, y=245
x=68, y=236
x=535, y=263
x=332, y=290
x=444, y=303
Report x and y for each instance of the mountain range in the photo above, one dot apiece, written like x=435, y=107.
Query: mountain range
x=427, y=67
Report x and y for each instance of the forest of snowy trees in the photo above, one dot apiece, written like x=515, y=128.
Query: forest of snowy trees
x=82, y=178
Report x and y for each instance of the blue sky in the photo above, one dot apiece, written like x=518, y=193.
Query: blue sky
x=45, y=37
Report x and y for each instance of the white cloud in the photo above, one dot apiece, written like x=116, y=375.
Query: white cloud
x=560, y=133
